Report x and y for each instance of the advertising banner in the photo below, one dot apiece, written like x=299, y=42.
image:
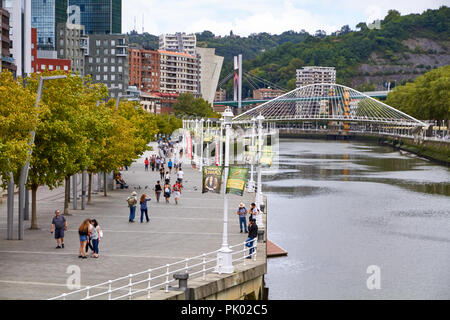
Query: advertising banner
x=237, y=178
x=212, y=179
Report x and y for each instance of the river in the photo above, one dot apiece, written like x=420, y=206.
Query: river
x=359, y=221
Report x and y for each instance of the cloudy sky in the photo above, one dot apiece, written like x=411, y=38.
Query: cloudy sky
x=252, y=16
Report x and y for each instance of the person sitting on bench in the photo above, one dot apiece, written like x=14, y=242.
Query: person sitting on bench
x=119, y=180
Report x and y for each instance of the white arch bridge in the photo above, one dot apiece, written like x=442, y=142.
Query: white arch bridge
x=334, y=104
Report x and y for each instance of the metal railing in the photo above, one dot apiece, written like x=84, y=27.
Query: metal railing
x=146, y=282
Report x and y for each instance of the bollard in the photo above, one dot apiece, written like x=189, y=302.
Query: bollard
x=260, y=235
x=182, y=278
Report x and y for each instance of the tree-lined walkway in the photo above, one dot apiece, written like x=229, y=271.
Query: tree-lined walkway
x=34, y=269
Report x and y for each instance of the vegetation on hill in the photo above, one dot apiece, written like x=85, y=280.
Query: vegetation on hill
x=426, y=98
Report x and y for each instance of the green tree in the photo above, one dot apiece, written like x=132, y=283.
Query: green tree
x=188, y=105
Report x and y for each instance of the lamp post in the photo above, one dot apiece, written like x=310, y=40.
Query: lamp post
x=208, y=124
x=221, y=142
x=202, y=121
x=224, y=255
x=251, y=182
x=25, y=169
x=258, y=200
x=196, y=143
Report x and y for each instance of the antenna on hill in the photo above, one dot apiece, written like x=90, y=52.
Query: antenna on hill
x=135, y=29
x=142, y=23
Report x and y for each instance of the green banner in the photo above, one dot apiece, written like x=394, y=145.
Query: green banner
x=266, y=156
x=212, y=179
x=237, y=177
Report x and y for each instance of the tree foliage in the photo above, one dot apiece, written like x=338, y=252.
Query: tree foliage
x=189, y=106
x=426, y=98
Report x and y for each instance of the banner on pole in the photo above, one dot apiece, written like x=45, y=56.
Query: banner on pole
x=266, y=156
x=189, y=145
x=212, y=179
x=237, y=178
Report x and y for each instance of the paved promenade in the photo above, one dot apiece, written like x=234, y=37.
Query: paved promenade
x=34, y=269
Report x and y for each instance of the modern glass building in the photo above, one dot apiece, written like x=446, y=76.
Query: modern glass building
x=100, y=16
x=45, y=15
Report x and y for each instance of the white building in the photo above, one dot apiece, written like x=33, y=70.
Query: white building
x=313, y=74
x=210, y=68
x=179, y=73
x=20, y=33
x=179, y=42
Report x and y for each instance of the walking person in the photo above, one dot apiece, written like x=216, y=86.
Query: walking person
x=144, y=209
x=93, y=235
x=170, y=165
x=161, y=173
x=132, y=202
x=146, y=163
x=83, y=231
x=242, y=213
x=59, y=225
x=167, y=177
x=176, y=191
x=175, y=165
x=252, y=235
x=167, y=192
x=152, y=162
x=158, y=163
x=158, y=190
x=180, y=175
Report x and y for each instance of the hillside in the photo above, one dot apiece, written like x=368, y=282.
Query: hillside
x=403, y=48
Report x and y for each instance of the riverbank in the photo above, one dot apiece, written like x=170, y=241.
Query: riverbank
x=436, y=151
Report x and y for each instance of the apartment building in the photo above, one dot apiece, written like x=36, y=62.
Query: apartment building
x=267, y=93
x=315, y=74
x=107, y=61
x=72, y=44
x=144, y=69
x=42, y=60
x=179, y=73
x=179, y=42
x=6, y=61
x=221, y=95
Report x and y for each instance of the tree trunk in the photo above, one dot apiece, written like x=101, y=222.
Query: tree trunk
x=34, y=225
x=89, y=201
x=67, y=196
x=104, y=184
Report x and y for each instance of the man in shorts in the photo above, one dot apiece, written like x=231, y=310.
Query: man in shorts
x=59, y=225
x=176, y=191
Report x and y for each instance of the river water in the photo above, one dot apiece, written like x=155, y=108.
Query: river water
x=354, y=216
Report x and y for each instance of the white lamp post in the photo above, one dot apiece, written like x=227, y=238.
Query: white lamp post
x=251, y=182
x=196, y=144
x=260, y=120
x=202, y=121
x=224, y=256
x=208, y=124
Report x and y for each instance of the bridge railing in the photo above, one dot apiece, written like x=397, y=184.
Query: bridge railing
x=147, y=281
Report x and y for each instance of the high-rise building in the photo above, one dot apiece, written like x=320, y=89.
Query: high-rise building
x=45, y=16
x=97, y=16
x=179, y=42
x=210, y=68
x=20, y=33
x=313, y=74
x=179, y=73
x=43, y=60
x=72, y=44
x=107, y=62
x=144, y=69
x=6, y=61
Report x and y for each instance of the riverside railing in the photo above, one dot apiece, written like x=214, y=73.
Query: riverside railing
x=148, y=281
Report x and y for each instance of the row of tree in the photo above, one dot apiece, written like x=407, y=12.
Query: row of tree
x=426, y=98
x=76, y=129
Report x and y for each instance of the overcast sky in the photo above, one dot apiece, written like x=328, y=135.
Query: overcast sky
x=252, y=16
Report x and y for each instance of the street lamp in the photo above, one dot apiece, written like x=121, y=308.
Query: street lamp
x=208, y=124
x=202, y=121
x=224, y=255
x=258, y=201
x=251, y=182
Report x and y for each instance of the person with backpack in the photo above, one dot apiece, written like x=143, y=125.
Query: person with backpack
x=242, y=212
x=132, y=201
x=176, y=191
x=254, y=211
x=167, y=177
x=144, y=209
x=167, y=192
x=94, y=237
x=161, y=172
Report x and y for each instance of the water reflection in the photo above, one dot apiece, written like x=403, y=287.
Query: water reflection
x=338, y=207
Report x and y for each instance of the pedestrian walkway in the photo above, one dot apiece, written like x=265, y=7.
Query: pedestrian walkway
x=34, y=269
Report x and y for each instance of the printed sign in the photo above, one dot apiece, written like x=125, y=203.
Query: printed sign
x=237, y=178
x=212, y=179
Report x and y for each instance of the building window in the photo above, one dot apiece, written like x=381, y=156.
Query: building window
x=113, y=69
x=97, y=77
x=66, y=68
x=105, y=69
x=113, y=51
x=97, y=43
x=113, y=77
x=91, y=60
x=105, y=60
x=105, y=77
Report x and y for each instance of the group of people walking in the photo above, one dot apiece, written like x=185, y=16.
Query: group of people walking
x=89, y=232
